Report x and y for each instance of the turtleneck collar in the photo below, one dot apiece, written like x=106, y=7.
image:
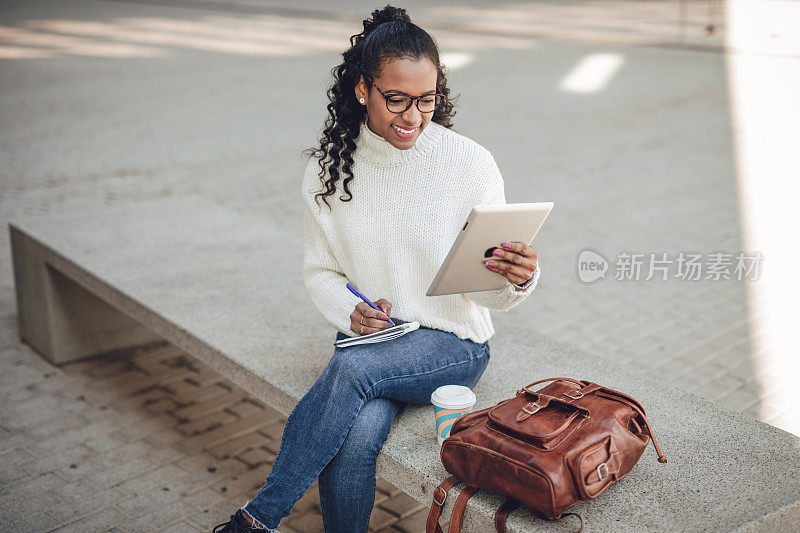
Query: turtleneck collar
x=373, y=148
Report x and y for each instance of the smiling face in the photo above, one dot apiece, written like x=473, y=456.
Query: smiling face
x=412, y=77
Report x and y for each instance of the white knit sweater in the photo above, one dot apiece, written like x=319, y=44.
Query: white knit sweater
x=389, y=240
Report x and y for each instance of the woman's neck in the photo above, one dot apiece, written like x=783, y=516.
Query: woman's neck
x=375, y=149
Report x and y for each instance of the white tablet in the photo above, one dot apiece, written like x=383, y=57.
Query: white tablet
x=486, y=227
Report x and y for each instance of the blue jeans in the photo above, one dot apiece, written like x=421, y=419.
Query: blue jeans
x=337, y=429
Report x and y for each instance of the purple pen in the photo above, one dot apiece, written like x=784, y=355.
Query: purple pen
x=372, y=305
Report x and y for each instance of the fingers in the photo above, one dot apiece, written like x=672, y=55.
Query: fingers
x=372, y=314
x=384, y=304
x=516, y=261
x=365, y=320
x=517, y=252
x=514, y=273
x=365, y=326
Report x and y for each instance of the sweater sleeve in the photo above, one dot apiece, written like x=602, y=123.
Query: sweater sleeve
x=323, y=278
x=511, y=295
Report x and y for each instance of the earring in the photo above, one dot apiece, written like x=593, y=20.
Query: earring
x=361, y=100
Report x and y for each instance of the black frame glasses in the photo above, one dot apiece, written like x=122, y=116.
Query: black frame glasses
x=439, y=98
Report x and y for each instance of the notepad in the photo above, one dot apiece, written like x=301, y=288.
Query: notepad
x=379, y=336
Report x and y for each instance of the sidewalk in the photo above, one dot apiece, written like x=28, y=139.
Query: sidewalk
x=150, y=440
x=695, y=24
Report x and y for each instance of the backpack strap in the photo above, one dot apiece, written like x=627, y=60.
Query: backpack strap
x=439, y=496
x=457, y=516
x=579, y=518
x=502, y=513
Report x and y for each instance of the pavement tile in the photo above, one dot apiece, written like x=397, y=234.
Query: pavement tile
x=77, y=454
x=227, y=474
x=380, y=519
x=670, y=370
x=164, y=438
x=11, y=494
x=15, y=458
x=160, y=406
x=99, y=521
x=385, y=487
x=77, y=508
x=215, y=398
x=743, y=370
x=74, y=490
x=204, y=498
x=48, y=429
x=257, y=456
x=146, y=501
x=245, y=484
x=193, y=481
x=18, y=395
x=181, y=527
x=58, y=442
x=206, y=423
x=159, y=518
x=125, y=452
x=30, y=410
x=103, y=443
x=211, y=438
x=415, y=522
x=40, y=522
x=247, y=408
x=118, y=473
x=309, y=500
x=402, y=505
x=235, y=447
x=150, y=479
x=32, y=505
x=164, y=454
x=309, y=521
x=208, y=517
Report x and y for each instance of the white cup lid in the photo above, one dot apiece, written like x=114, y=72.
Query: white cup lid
x=453, y=396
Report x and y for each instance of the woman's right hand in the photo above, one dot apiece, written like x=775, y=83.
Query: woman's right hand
x=365, y=320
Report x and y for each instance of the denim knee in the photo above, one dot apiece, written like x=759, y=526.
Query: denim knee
x=349, y=366
x=367, y=434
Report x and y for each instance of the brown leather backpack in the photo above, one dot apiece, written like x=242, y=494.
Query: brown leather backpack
x=547, y=450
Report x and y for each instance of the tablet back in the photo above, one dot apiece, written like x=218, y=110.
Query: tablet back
x=487, y=226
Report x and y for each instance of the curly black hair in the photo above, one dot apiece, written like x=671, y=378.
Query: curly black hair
x=388, y=34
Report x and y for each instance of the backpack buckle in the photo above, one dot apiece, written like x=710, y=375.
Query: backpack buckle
x=536, y=410
x=444, y=496
x=600, y=473
x=579, y=393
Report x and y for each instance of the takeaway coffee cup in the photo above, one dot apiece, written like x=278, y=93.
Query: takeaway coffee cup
x=449, y=403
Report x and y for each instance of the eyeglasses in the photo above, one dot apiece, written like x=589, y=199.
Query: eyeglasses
x=399, y=103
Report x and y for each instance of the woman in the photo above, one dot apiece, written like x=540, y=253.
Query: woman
x=409, y=184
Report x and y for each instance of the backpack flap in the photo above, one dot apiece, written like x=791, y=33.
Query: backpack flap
x=469, y=419
x=544, y=422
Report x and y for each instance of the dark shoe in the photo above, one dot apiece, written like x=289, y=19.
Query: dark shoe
x=237, y=524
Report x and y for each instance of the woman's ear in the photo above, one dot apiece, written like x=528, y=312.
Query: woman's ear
x=361, y=89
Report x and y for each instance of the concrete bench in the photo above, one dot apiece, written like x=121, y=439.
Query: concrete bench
x=227, y=289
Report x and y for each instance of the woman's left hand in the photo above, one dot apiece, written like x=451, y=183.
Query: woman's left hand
x=515, y=260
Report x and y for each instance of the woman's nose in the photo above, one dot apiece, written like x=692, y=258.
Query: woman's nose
x=412, y=115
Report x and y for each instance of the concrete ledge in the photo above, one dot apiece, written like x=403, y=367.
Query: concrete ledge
x=227, y=289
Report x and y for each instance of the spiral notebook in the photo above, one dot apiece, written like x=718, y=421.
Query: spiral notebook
x=387, y=334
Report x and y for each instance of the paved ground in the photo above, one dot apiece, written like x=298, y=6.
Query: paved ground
x=149, y=440
x=104, y=102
